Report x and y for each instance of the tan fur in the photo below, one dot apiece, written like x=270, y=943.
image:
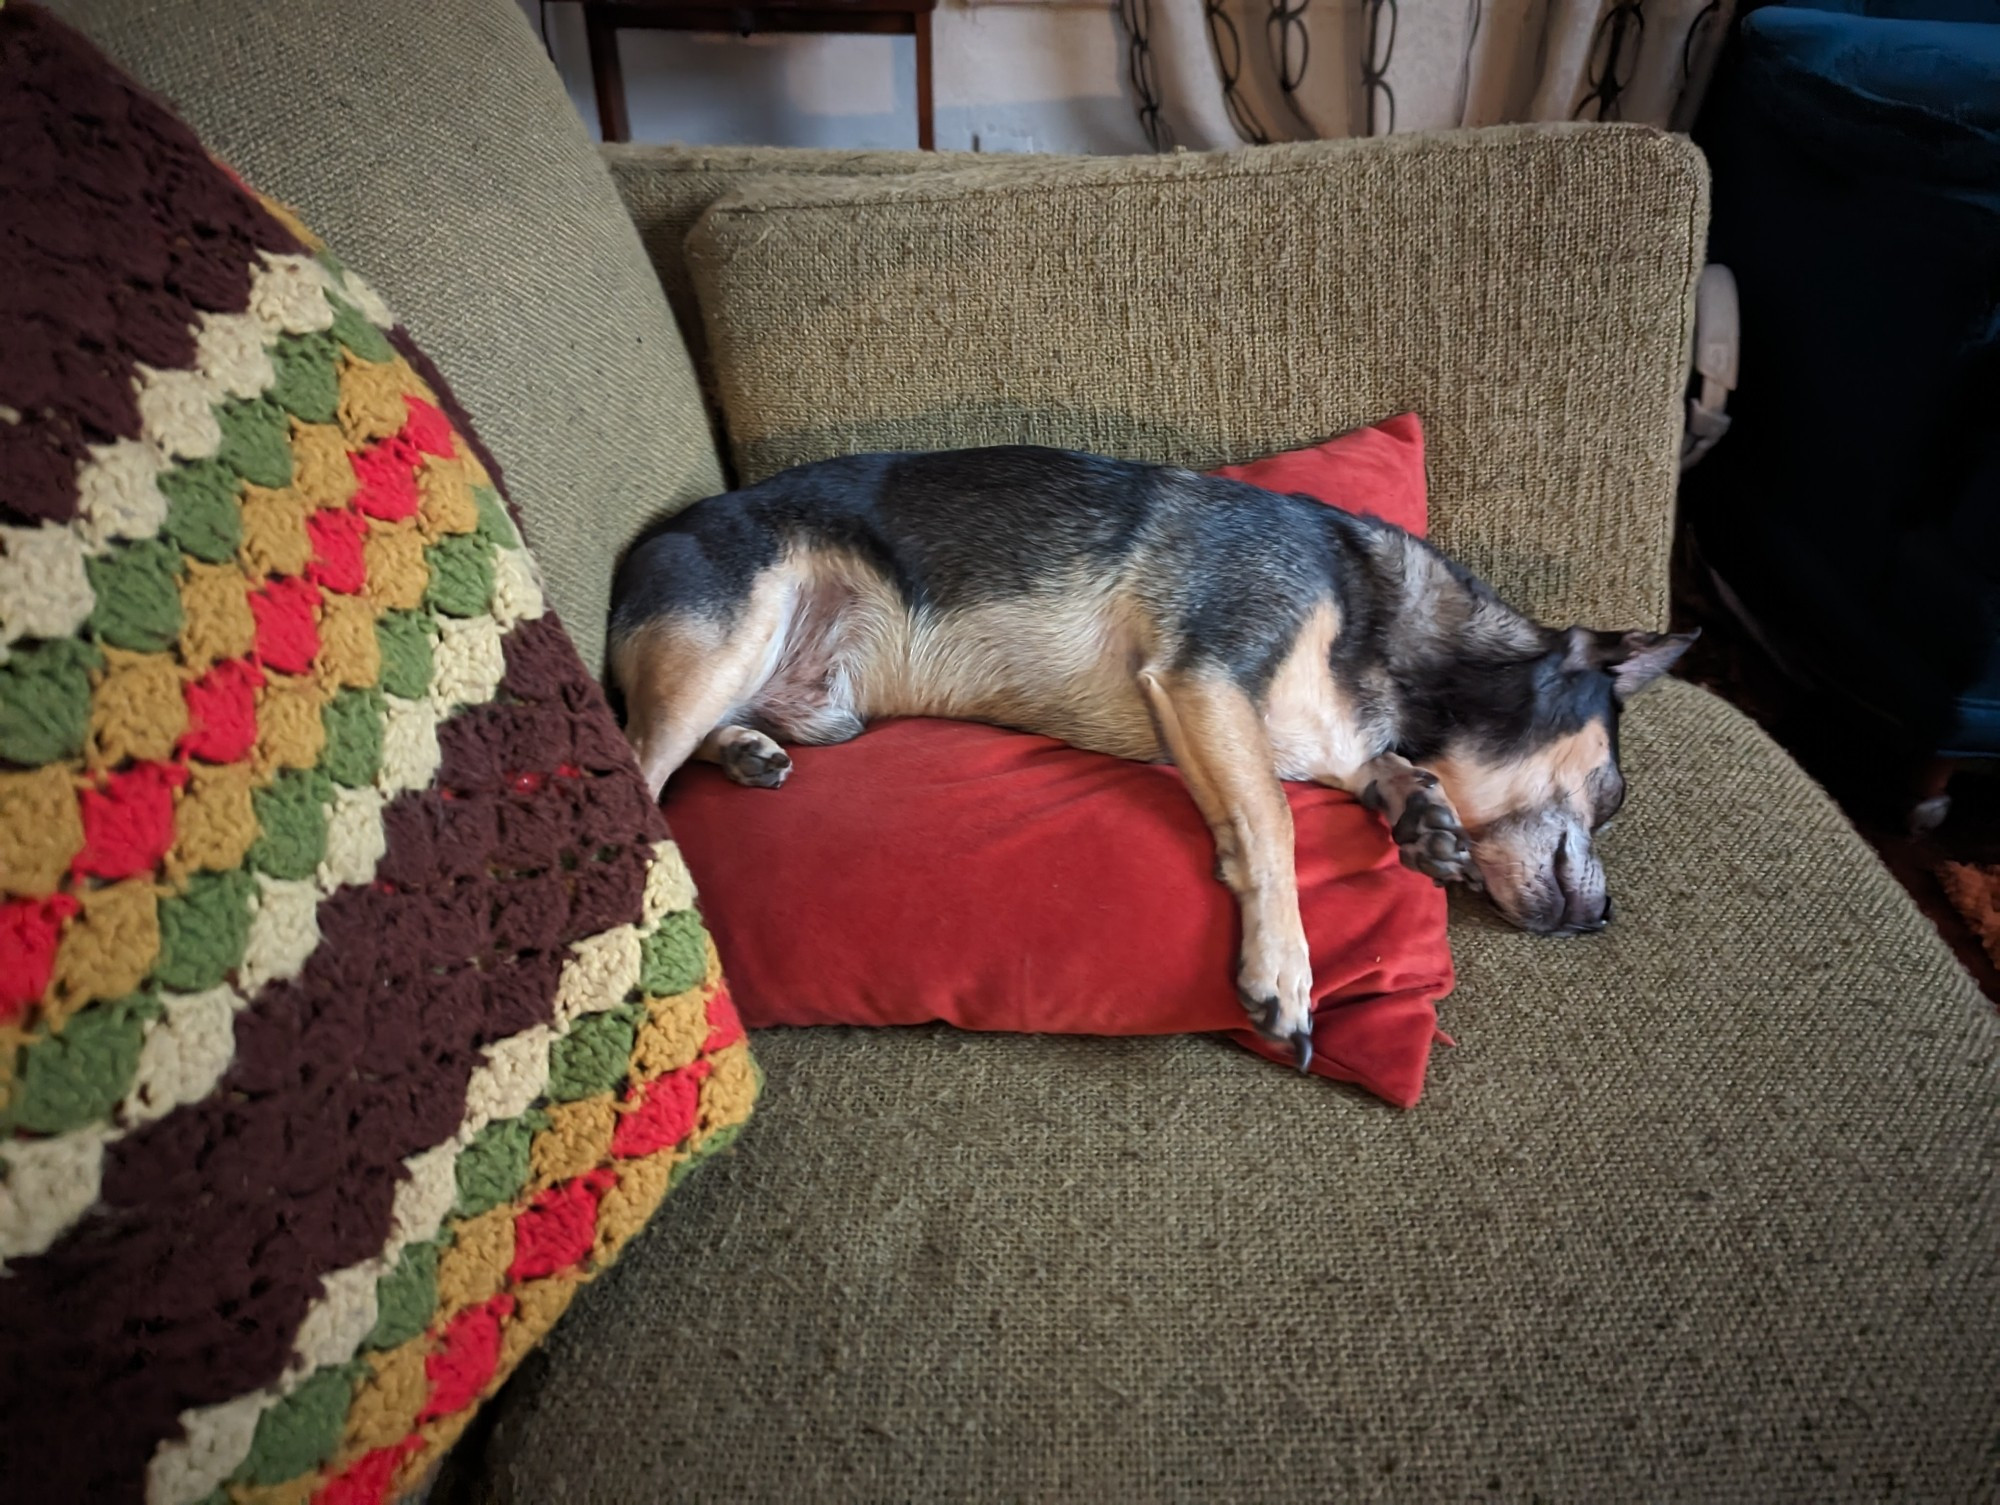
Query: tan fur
x=1485, y=792
x=1219, y=744
x=999, y=663
x=847, y=647
x=683, y=676
x=1314, y=730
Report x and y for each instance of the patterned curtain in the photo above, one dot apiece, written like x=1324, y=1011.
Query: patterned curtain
x=1219, y=73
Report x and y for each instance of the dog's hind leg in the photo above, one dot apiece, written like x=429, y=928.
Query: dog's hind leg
x=746, y=755
x=684, y=675
x=1219, y=744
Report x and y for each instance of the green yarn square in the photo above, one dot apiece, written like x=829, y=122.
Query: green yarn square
x=406, y=639
x=353, y=722
x=595, y=1055
x=76, y=1077
x=301, y=1431
x=494, y=1167
x=291, y=814
x=203, y=518
x=308, y=384
x=494, y=523
x=45, y=701
x=203, y=931
x=715, y=1144
x=256, y=441
x=356, y=333
x=461, y=568
x=406, y=1298
x=138, y=596
x=675, y=957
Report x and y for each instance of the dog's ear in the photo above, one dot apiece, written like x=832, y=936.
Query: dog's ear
x=1632, y=659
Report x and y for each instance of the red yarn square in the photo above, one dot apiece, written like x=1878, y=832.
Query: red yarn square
x=427, y=429
x=725, y=1025
x=559, y=1226
x=388, y=488
x=467, y=1353
x=338, y=563
x=222, y=712
x=128, y=823
x=287, y=614
x=30, y=930
x=665, y=1115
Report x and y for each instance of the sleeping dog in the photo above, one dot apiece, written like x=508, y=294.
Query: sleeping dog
x=1155, y=614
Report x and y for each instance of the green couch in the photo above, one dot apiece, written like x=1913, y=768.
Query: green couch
x=1703, y=1208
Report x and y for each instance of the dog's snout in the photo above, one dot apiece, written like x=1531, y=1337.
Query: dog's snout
x=1586, y=907
x=1547, y=878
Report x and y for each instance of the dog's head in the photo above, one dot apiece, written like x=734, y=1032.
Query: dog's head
x=1535, y=780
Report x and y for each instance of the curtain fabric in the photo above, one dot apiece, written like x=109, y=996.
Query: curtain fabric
x=1220, y=73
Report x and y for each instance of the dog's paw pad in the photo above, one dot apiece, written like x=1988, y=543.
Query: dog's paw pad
x=1431, y=841
x=759, y=764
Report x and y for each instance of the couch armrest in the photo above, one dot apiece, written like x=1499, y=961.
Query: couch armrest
x=435, y=149
x=1528, y=290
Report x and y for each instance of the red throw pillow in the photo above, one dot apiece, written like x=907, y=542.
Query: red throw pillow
x=943, y=870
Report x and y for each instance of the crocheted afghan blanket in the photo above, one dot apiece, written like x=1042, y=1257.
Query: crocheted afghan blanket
x=353, y=1005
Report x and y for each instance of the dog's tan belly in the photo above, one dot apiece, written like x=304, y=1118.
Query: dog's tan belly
x=1062, y=665
x=1065, y=668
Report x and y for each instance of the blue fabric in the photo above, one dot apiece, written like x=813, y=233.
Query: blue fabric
x=1855, y=504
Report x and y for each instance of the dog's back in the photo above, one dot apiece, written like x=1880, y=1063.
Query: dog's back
x=1017, y=585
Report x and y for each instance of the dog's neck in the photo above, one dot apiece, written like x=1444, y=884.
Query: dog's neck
x=1454, y=651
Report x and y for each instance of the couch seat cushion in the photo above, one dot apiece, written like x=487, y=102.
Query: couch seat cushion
x=1701, y=1208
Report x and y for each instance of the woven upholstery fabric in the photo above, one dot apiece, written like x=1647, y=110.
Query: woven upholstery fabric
x=1702, y=1208
x=667, y=188
x=1527, y=290
x=435, y=146
x=354, y=1010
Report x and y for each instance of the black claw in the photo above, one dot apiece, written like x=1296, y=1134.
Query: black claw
x=1302, y=1044
x=1263, y=1012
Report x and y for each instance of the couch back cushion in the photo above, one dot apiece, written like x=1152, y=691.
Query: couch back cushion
x=666, y=189
x=435, y=146
x=1527, y=290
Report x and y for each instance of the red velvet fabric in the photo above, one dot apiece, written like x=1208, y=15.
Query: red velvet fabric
x=939, y=870
x=1377, y=470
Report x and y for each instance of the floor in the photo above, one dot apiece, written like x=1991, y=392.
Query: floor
x=1728, y=662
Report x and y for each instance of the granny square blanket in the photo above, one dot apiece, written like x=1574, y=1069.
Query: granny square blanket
x=354, y=1009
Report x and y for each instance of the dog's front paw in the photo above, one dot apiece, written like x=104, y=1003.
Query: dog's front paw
x=1428, y=835
x=1275, y=987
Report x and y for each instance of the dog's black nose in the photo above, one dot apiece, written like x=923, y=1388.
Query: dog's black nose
x=1583, y=912
x=1582, y=922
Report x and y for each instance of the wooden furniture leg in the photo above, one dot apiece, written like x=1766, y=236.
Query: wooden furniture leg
x=926, y=127
x=607, y=76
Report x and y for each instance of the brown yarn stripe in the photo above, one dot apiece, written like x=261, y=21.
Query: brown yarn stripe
x=117, y=232
x=291, y=1164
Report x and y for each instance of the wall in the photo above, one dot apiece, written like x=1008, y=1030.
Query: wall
x=1006, y=77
